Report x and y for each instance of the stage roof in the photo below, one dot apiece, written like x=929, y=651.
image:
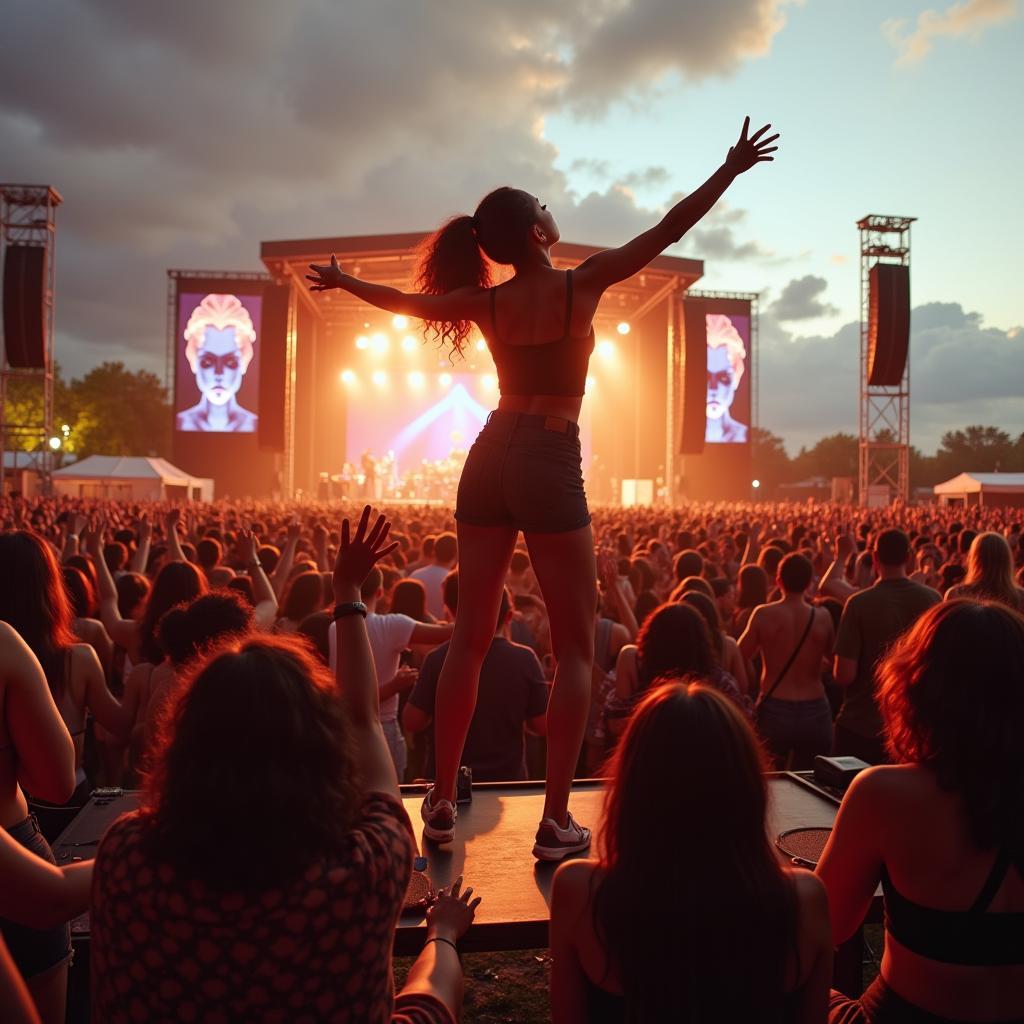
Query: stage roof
x=118, y=467
x=391, y=260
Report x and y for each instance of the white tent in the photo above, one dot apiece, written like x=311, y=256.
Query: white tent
x=132, y=478
x=982, y=489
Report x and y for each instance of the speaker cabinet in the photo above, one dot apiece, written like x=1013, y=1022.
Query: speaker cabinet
x=272, y=372
x=24, y=314
x=888, y=323
x=693, y=383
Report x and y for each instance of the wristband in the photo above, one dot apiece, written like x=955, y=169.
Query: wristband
x=349, y=608
x=441, y=938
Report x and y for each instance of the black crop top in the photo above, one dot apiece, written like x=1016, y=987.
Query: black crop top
x=970, y=937
x=556, y=367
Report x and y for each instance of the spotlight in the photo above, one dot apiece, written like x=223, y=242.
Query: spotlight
x=489, y=381
x=408, y=343
x=399, y=322
x=380, y=378
x=480, y=344
x=755, y=484
x=591, y=381
x=380, y=342
x=348, y=377
x=415, y=379
x=623, y=327
x=445, y=380
x=362, y=341
x=54, y=443
x=606, y=349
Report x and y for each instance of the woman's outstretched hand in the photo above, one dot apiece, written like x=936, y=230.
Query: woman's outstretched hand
x=357, y=555
x=325, y=276
x=748, y=152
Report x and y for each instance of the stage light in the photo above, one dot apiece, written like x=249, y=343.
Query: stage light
x=65, y=429
x=591, y=381
x=362, y=341
x=409, y=343
x=489, y=381
x=623, y=327
x=348, y=377
x=415, y=379
x=445, y=380
x=399, y=322
x=480, y=344
x=380, y=378
x=606, y=349
x=380, y=342
x=54, y=443
x=755, y=484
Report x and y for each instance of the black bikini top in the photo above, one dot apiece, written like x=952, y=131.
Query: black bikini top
x=556, y=367
x=970, y=937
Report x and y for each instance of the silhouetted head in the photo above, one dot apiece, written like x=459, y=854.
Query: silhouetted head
x=990, y=569
x=303, y=596
x=190, y=629
x=410, y=598
x=674, y=640
x=176, y=583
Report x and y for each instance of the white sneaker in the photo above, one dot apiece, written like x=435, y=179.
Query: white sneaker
x=554, y=843
x=438, y=819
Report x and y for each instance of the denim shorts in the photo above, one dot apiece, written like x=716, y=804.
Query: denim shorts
x=801, y=726
x=524, y=471
x=35, y=950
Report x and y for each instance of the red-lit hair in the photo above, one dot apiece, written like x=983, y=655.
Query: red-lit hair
x=685, y=806
x=256, y=733
x=951, y=693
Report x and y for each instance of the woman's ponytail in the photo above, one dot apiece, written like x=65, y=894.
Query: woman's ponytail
x=451, y=258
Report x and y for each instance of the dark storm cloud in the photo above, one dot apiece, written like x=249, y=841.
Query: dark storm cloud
x=801, y=300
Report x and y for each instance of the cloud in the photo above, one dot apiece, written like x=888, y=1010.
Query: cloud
x=801, y=300
x=960, y=372
x=968, y=18
x=181, y=135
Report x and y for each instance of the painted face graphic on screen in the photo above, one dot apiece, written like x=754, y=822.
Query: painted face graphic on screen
x=726, y=362
x=219, y=341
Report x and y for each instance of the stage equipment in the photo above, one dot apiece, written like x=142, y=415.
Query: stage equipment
x=884, y=461
x=277, y=314
x=693, y=379
x=888, y=323
x=28, y=232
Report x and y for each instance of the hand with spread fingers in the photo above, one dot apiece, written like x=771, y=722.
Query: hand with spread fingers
x=357, y=555
x=452, y=913
x=326, y=276
x=750, y=151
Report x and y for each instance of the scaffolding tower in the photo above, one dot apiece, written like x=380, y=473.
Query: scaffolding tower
x=884, y=451
x=28, y=217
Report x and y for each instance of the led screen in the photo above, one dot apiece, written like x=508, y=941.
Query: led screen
x=728, y=379
x=217, y=362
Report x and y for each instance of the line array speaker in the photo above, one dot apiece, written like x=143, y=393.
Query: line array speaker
x=24, y=314
x=888, y=323
x=693, y=384
x=272, y=371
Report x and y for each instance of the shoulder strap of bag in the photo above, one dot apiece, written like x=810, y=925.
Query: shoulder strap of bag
x=789, y=663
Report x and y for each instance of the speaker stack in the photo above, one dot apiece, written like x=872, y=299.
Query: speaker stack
x=693, y=396
x=888, y=323
x=24, y=306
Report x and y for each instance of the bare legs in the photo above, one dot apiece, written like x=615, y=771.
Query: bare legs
x=565, y=568
x=484, y=553
x=567, y=573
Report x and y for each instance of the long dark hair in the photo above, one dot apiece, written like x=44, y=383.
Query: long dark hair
x=951, y=693
x=454, y=256
x=303, y=596
x=256, y=733
x=714, y=943
x=176, y=583
x=410, y=598
x=34, y=600
x=675, y=640
x=753, y=589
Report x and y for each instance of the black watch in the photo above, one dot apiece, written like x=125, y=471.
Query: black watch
x=349, y=608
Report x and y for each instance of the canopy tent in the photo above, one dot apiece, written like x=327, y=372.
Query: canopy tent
x=982, y=489
x=130, y=478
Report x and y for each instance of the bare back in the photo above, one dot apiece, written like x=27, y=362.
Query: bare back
x=776, y=629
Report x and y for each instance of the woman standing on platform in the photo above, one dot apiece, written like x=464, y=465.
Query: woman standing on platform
x=524, y=470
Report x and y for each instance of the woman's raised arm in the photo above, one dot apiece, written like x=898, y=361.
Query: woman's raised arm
x=604, y=269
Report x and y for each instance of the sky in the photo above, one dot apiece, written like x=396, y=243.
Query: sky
x=183, y=135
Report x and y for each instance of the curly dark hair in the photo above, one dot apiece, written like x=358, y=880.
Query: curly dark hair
x=456, y=255
x=951, y=693
x=675, y=640
x=256, y=733
x=176, y=583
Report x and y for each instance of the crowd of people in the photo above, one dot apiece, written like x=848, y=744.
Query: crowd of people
x=191, y=652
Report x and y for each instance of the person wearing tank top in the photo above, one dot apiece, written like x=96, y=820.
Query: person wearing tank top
x=524, y=470
x=942, y=829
